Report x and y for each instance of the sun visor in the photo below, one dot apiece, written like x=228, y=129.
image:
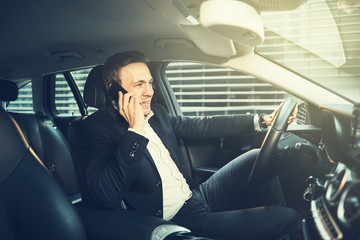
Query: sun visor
x=233, y=19
x=209, y=42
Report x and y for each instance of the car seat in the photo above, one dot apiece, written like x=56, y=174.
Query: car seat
x=33, y=205
x=94, y=89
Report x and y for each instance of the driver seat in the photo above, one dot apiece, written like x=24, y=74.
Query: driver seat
x=95, y=93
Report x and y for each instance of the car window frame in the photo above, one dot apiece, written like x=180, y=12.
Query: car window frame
x=50, y=96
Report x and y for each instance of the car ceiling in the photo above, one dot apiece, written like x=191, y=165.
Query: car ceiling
x=48, y=36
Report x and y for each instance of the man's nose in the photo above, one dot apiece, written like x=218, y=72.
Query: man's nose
x=148, y=89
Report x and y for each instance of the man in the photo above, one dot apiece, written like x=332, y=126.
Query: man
x=130, y=154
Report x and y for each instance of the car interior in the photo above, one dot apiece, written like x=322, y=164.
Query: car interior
x=208, y=57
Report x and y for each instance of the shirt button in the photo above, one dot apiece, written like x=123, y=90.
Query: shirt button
x=132, y=154
x=158, y=212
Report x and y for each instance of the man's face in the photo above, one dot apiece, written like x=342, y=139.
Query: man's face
x=136, y=78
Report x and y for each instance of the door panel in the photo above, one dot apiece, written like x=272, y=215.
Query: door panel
x=207, y=156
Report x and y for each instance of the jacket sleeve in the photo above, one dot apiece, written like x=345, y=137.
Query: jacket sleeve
x=110, y=156
x=212, y=126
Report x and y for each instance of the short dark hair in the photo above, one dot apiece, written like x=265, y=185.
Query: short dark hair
x=116, y=62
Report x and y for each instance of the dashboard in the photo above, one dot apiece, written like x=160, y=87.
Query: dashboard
x=335, y=213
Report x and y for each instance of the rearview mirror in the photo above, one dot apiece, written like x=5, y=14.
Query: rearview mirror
x=233, y=19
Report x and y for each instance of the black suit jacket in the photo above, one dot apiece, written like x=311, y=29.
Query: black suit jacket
x=116, y=165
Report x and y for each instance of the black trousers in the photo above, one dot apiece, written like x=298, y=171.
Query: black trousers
x=223, y=207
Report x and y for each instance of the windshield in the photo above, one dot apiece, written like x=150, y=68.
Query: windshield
x=320, y=39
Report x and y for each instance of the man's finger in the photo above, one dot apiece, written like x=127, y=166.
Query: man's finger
x=120, y=105
x=120, y=99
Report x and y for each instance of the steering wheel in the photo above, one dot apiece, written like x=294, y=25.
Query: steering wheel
x=269, y=145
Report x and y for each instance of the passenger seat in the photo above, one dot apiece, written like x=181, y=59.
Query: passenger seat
x=52, y=148
x=49, y=144
x=32, y=203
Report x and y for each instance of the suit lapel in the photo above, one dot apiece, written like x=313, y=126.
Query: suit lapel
x=158, y=128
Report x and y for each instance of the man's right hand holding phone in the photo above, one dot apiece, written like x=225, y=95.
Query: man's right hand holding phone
x=130, y=109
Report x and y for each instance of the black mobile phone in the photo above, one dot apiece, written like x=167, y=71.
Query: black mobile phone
x=114, y=91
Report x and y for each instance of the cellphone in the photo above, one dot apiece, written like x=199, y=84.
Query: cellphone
x=114, y=91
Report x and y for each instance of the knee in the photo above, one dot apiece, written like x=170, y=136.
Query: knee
x=253, y=152
x=251, y=155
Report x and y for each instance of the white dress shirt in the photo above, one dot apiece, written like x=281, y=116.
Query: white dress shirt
x=175, y=189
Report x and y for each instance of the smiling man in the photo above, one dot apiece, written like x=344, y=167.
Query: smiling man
x=136, y=79
x=130, y=154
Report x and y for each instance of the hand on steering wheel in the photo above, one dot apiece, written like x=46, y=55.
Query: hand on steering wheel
x=271, y=117
x=282, y=116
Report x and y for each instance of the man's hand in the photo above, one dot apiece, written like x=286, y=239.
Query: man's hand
x=130, y=109
x=270, y=118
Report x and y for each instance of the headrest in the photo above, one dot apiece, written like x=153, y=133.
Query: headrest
x=8, y=90
x=95, y=93
x=11, y=137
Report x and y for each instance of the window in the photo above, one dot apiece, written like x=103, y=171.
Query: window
x=211, y=90
x=320, y=40
x=24, y=102
x=80, y=77
x=64, y=98
x=65, y=102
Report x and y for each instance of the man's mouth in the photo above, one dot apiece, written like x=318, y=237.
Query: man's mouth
x=145, y=103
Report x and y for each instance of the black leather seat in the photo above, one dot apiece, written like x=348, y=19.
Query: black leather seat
x=94, y=89
x=33, y=205
x=47, y=141
x=52, y=148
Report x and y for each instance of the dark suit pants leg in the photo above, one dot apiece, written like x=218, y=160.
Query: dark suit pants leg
x=223, y=207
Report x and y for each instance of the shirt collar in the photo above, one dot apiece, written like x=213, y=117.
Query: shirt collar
x=147, y=117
